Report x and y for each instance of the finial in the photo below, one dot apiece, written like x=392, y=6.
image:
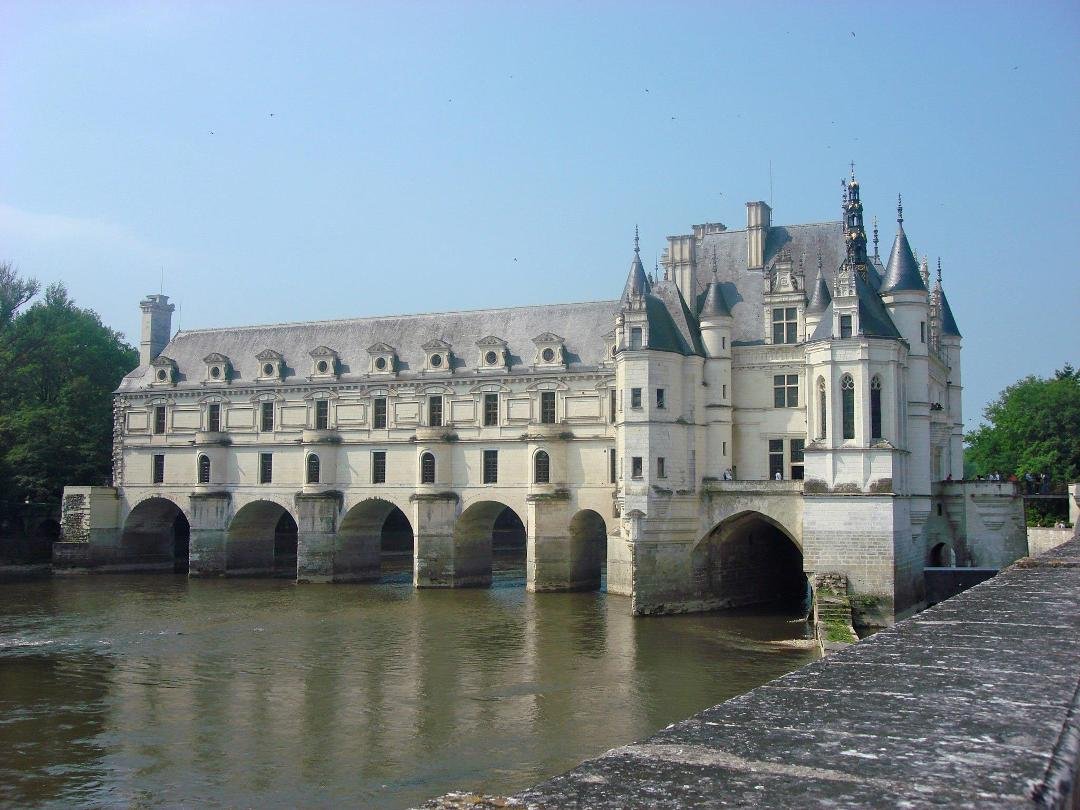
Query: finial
x=637, y=248
x=715, y=269
x=899, y=210
x=939, y=271
x=853, y=171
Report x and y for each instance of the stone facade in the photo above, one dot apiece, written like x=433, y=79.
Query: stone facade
x=727, y=426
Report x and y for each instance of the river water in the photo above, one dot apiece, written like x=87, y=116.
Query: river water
x=160, y=690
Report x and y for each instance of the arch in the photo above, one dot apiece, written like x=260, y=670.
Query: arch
x=942, y=556
x=482, y=530
x=823, y=409
x=588, y=550
x=541, y=467
x=261, y=541
x=750, y=559
x=875, y=407
x=847, y=402
x=203, y=471
x=375, y=537
x=156, y=536
x=313, y=469
x=427, y=468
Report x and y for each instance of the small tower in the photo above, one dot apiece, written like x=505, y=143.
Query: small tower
x=156, y=327
x=949, y=341
x=716, y=323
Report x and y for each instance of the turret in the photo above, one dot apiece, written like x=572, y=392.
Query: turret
x=156, y=327
x=903, y=290
x=950, y=342
x=716, y=323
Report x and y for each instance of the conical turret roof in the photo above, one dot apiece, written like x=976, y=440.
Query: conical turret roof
x=637, y=283
x=902, y=271
x=948, y=322
x=820, y=297
x=715, y=304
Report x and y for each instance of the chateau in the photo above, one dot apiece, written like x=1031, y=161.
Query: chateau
x=774, y=402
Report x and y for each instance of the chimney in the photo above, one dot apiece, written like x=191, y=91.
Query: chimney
x=156, y=327
x=758, y=222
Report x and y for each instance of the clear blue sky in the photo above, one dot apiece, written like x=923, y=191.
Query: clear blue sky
x=427, y=156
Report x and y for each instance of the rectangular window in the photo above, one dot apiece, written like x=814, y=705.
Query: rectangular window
x=635, y=467
x=378, y=467
x=322, y=414
x=266, y=468
x=845, y=326
x=159, y=419
x=267, y=411
x=635, y=397
x=435, y=411
x=491, y=409
x=159, y=470
x=785, y=325
x=660, y=397
x=723, y=395
x=612, y=466
x=796, y=449
x=547, y=407
x=378, y=413
x=635, y=337
x=661, y=472
x=922, y=331
x=785, y=390
x=491, y=466
x=611, y=405
x=724, y=451
x=213, y=417
x=776, y=458
x=723, y=342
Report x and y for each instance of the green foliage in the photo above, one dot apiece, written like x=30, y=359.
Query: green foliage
x=58, y=367
x=1032, y=427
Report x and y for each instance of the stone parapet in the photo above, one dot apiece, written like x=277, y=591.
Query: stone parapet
x=977, y=695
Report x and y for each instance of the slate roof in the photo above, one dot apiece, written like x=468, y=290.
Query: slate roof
x=902, y=272
x=874, y=318
x=819, y=296
x=948, y=322
x=714, y=304
x=583, y=326
x=637, y=283
x=741, y=286
x=686, y=335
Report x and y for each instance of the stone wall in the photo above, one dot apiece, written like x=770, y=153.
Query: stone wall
x=1042, y=540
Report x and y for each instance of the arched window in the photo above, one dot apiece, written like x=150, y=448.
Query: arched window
x=204, y=469
x=847, y=398
x=822, y=408
x=427, y=469
x=541, y=467
x=875, y=407
x=313, y=469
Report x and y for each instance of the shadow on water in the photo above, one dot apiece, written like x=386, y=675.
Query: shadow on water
x=150, y=690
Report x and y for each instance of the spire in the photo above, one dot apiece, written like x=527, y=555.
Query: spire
x=925, y=272
x=854, y=232
x=902, y=272
x=876, y=254
x=819, y=298
x=939, y=272
x=637, y=282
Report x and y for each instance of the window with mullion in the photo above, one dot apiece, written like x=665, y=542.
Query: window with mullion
x=213, y=417
x=491, y=410
x=547, y=407
x=435, y=411
x=847, y=401
x=378, y=413
x=785, y=390
x=266, y=411
x=491, y=466
x=776, y=457
x=785, y=324
x=322, y=414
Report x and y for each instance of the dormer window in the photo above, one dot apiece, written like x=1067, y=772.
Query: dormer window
x=549, y=350
x=324, y=363
x=271, y=364
x=494, y=355
x=439, y=356
x=383, y=358
x=163, y=370
x=218, y=368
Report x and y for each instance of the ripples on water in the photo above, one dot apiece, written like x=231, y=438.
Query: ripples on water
x=155, y=690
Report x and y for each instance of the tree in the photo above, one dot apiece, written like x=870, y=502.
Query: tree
x=1032, y=427
x=59, y=367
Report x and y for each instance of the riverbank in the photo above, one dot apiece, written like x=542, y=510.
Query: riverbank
x=973, y=702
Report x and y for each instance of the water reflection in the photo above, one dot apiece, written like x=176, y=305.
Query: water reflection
x=162, y=689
